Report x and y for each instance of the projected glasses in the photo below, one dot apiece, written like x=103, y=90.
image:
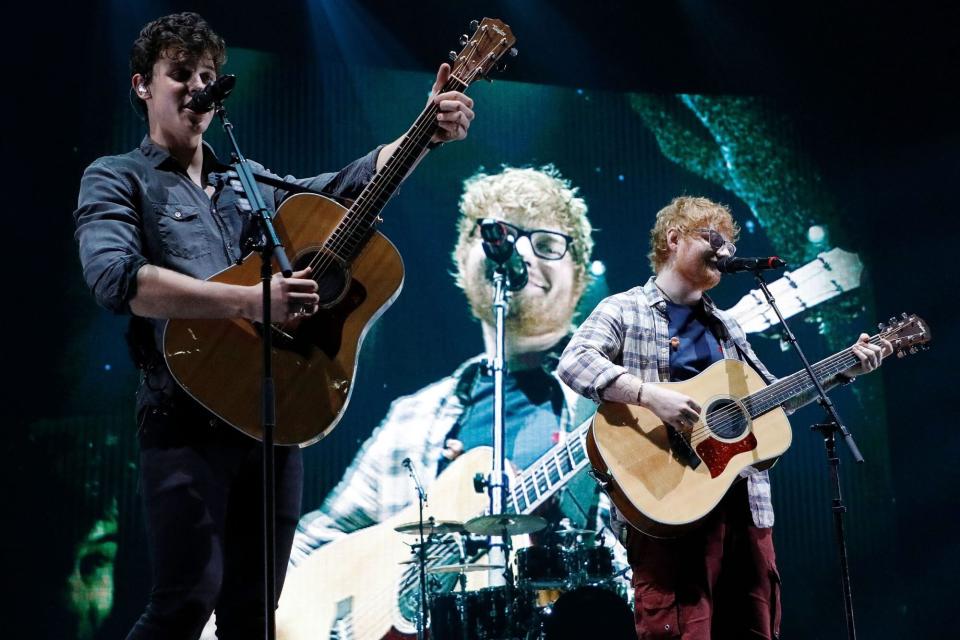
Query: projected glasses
x=716, y=240
x=549, y=245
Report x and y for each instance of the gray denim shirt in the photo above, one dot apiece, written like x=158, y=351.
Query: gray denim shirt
x=142, y=208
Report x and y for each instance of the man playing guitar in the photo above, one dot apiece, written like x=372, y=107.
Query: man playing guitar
x=720, y=580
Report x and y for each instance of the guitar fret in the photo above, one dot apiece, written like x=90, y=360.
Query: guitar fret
x=552, y=472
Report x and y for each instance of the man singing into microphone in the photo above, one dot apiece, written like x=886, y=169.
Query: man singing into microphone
x=150, y=230
x=721, y=580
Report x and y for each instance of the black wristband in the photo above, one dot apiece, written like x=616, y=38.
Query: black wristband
x=433, y=145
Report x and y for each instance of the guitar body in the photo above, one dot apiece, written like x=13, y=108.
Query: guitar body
x=353, y=582
x=218, y=362
x=653, y=487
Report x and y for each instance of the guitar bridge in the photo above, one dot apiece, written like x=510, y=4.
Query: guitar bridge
x=681, y=448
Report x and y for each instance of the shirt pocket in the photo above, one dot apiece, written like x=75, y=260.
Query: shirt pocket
x=182, y=231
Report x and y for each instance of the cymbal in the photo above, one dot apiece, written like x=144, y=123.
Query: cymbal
x=511, y=524
x=463, y=568
x=575, y=532
x=437, y=526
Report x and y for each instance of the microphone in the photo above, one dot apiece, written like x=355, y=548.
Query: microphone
x=413, y=474
x=499, y=243
x=736, y=265
x=217, y=91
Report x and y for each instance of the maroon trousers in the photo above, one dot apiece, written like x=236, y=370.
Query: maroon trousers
x=719, y=581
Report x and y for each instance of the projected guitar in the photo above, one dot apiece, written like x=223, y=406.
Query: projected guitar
x=359, y=273
x=355, y=587
x=663, y=480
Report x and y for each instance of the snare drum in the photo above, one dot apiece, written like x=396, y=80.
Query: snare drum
x=542, y=567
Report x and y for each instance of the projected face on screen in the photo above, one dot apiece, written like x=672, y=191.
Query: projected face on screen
x=532, y=201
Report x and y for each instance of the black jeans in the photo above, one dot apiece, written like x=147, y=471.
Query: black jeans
x=202, y=495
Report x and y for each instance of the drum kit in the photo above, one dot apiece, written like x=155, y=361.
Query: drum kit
x=543, y=585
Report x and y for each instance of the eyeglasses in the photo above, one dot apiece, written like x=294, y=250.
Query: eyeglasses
x=716, y=240
x=546, y=244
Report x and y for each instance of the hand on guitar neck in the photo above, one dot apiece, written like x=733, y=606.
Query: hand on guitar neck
x=682, y=411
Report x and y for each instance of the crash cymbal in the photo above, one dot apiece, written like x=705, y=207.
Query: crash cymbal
x=575, y=532
x=463, y=568
x=511, y=524
x=439, y=527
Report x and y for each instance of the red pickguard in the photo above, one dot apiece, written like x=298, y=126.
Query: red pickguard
x=716, y=454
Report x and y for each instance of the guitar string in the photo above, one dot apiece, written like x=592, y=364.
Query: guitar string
x=724, y=418
x=815, y=296
x=382, y=182
x=385, y=603
x=425, y=121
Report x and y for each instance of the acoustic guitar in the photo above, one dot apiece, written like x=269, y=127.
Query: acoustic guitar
x=359, y=273
x=356, y=587
x=664, y=480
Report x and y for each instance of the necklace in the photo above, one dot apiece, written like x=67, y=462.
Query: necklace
x=663, y=292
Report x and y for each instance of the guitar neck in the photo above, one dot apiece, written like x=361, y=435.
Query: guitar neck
x=549, y=473
x=360, y=221
x=799, y=383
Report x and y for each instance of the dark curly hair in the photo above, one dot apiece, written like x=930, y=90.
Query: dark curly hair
x=186, y=34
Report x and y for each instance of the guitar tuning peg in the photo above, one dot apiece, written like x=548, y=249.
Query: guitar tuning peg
x=904, y=315
x=893, y=320
x=474, y=24
x=513, y=52
x=453, y=56
x=913, y=349
x=900, y=353
x=881, y=326
x=464, y=39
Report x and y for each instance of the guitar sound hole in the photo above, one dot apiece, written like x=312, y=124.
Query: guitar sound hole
x=726, y=419
x=331, y=277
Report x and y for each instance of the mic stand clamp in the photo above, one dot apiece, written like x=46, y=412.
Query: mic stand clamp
x=270, y=249
x=828, y=429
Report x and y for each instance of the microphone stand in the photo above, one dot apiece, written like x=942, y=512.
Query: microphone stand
x=421, y=552
x=497, y=481
x=499, y=251
x=270, y=248
x=828, y=429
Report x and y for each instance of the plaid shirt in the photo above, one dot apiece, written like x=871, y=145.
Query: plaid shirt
x=376, y=486
x=628, y=333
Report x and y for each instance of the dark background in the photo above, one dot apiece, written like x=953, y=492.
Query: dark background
x=869, y=88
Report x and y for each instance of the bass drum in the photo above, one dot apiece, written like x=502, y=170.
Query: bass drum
x=589, y=612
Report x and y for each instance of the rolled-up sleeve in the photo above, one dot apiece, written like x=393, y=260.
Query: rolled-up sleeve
x=109, y=236
x=588, y=363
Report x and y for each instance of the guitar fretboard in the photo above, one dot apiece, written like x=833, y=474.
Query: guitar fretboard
x=356, y=226
x=549, y=473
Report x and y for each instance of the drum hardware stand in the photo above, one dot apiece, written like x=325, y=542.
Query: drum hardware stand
x=828, y=429
x=421, y=550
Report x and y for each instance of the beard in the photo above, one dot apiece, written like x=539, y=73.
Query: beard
x=530, y=311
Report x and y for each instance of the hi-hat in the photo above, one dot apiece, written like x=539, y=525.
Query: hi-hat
x=510, y=524
x=438, y=527
x=463, y=568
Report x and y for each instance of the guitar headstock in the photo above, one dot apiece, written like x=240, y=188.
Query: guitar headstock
x=908, y=334
x=484, y=50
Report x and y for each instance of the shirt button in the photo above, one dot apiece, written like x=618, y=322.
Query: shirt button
x=176, y=214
